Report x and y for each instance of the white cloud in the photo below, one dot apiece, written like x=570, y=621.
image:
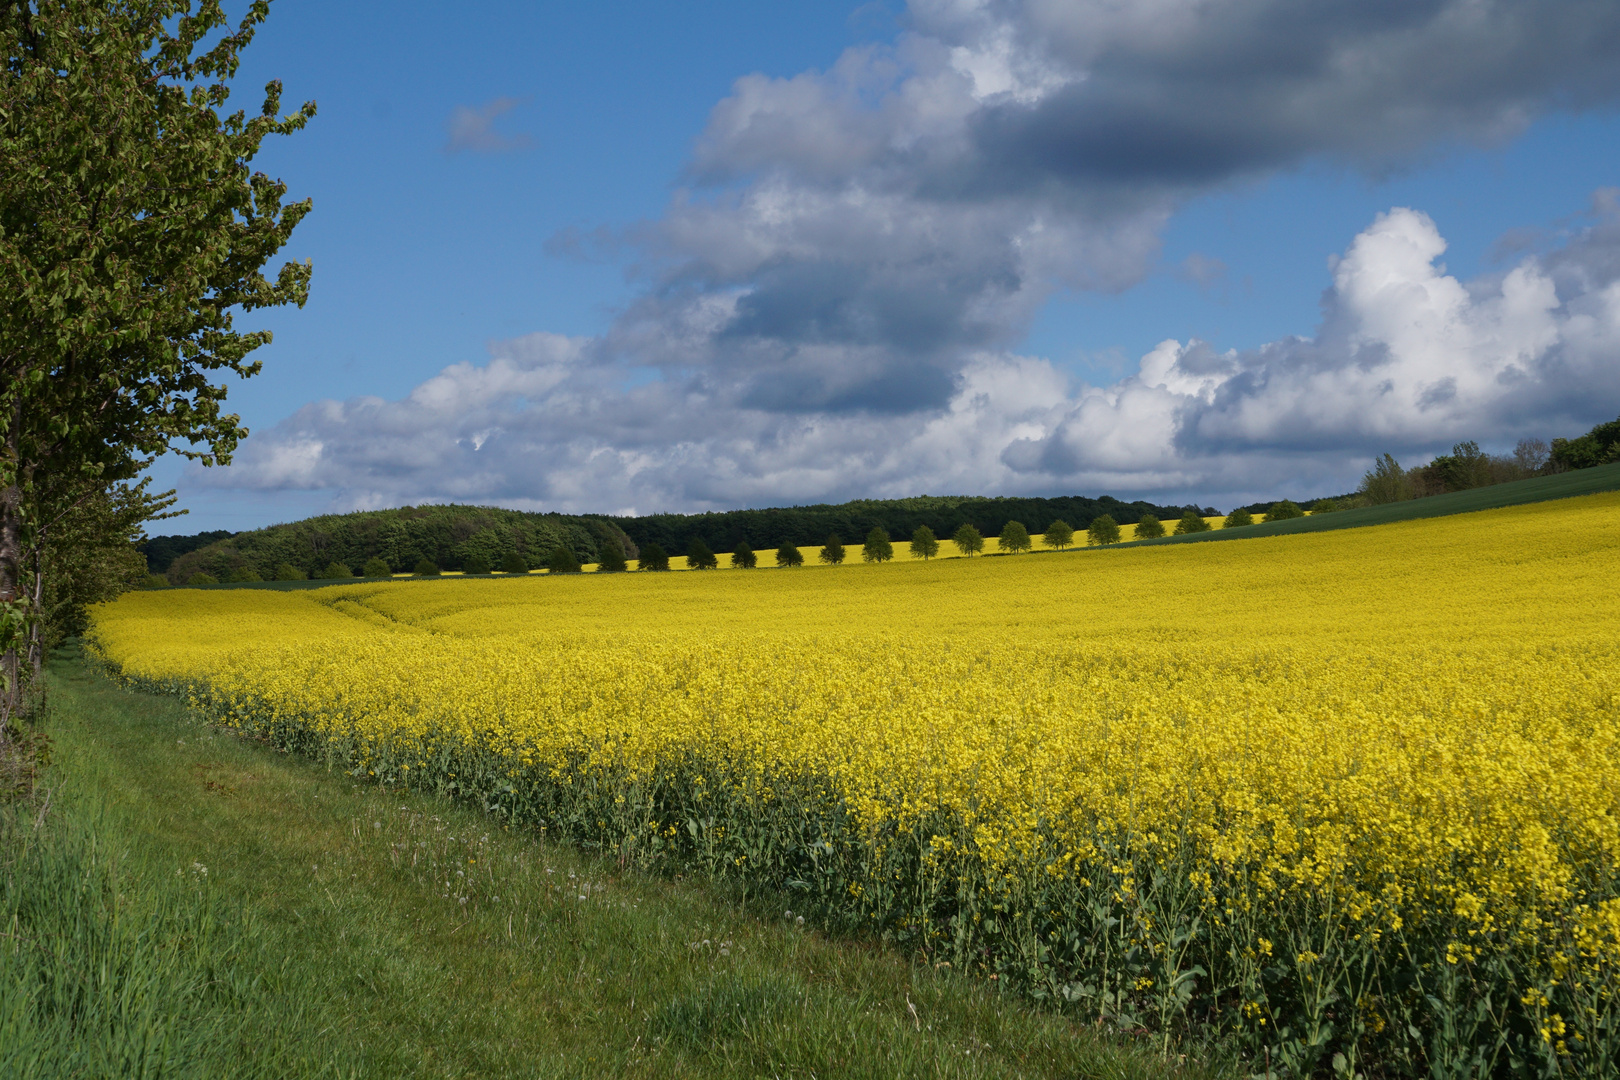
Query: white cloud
x=828, y=307
x=1407, y=359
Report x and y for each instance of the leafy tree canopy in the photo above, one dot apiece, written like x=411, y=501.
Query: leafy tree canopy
x=878, y=548
x=924, y=544
x=788, y=555
x=1103, y=530
x=968, y=540
x=1059, y=534
x=744, y=558
x=832, y=552
x=1149, y=527
x=1014, y=537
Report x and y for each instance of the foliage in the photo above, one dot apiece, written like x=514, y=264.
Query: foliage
x=1149, y=527
x=1104, y=530
x=132, y=232
x=612, y=560
x=337, y=571
x=376, y=568
x=1283, y=510
x=1014, y=538
x=202, y=577
x=1326, y=506
x=161, y=551
x=425, y=567
x=832, y=552
x=448, y=536
x=878, y=548
x=474, y=565
x=653, y=557
x=1237, y=519
x=968, y=540
x=512, y=563
x=744, y=558
x=1191, y=522
x=1238, y=829
x=1385, y=482
x=924, y=544
x=289, y=572
x=90, y=556
x=1600, y=446
x=563, y=561
x=1059, y=534
x=788, y=555
x=807, y=526
x=699, y=557
x=242, y=575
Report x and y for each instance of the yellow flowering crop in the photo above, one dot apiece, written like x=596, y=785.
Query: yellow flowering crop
x=1352, y=793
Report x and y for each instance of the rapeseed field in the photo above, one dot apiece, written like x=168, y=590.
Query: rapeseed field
x=1351, y=799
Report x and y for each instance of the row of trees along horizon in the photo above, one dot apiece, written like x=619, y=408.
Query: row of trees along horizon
x=428, y=539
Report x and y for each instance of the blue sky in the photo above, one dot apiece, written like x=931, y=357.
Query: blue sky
x=635, y=275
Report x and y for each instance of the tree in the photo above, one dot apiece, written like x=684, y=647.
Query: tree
x=878, y=548
x=425, y=567
x=611, y=560
x=244, y=575
x=653, y=557
x=1148, y=527
x=512, y=564
x=832, y=552
x=1191, y=522
x=699, y=557
x=202, y=577
x=132, y=231
x=1059, y=534
x=289, y=572
x=1103, y=530
x=1283, y=511
x=744, y=558
x=968, y=540
x=1014, y=537
x=924, y=545
x=1237, y=519
x=337, y=570
x=1386, y=482
x=789, y=555
x=92, y=557
x=376, y=567
x=562, y=560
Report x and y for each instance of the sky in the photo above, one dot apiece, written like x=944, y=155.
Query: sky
x=631, y=257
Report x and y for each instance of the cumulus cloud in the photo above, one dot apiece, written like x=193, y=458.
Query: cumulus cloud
x=829, y=302
x=1407, y=358
x=473, y=129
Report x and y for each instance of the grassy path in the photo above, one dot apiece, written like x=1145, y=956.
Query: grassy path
x=373, y=933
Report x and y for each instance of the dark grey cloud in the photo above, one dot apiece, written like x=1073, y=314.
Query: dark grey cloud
x=828, y=304
x=1408, y=359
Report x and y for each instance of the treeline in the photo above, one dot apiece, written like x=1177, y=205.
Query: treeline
x=469, y=537
x=1468, y=467
x=943, y=515
x=403, y=540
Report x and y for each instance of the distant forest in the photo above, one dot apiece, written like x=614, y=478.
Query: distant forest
x=451, y=536
x=804, y=526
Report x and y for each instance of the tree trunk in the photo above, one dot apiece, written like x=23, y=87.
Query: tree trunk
x=11, y=595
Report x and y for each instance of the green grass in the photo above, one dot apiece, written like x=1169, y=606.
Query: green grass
x=1537, y=489
x=199, y=905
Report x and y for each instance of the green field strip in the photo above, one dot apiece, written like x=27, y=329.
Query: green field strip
x=1519, y=492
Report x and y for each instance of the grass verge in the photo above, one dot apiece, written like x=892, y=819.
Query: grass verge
x=197, y=904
